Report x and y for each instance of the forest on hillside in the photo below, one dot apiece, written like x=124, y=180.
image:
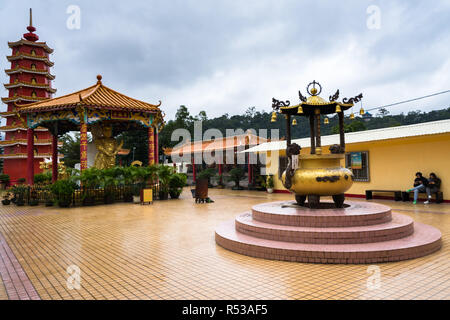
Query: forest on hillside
x=136, y=141
x=253, y=119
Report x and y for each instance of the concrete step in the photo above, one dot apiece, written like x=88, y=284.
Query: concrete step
x=399, y=227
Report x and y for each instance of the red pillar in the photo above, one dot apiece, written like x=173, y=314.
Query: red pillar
x=83, y=146
x=151, y=146
x=30, y=156
x=156, y=147
x=220, y=172
x=54, y=158
x=249, y=170
x=193, y=167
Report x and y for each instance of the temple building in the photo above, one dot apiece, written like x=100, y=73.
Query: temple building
x=30, y=81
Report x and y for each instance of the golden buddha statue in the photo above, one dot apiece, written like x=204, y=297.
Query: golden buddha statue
x=107, y=147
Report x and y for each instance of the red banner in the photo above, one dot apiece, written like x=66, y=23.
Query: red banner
x=83, y=146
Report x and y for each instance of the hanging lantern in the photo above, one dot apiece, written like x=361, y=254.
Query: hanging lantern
x=326, y=121
x=294, y=122
x=352, y=116
x=300, y=110
x=338, y=108
x=361, y=111
x=274, y=117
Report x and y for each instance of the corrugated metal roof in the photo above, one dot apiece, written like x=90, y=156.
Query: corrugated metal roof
x=419, y=129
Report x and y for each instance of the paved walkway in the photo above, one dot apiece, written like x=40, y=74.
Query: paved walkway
x=167, y=251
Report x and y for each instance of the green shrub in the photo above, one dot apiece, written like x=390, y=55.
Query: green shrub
x=43, y=178
x=236, y=174
x=4, y=177
x=63, y=191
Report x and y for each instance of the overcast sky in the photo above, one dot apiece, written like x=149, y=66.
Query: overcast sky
x=226, y=56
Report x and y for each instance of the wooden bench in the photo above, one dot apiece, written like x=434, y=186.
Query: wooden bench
x=397, y=194
x=438, y=194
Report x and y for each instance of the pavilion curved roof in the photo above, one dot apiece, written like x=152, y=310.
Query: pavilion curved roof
x=97, y=96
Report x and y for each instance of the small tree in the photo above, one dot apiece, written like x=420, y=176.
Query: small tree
x=236, y=174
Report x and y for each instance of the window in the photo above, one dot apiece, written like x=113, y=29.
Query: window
x=358, y=162
x=282, y=165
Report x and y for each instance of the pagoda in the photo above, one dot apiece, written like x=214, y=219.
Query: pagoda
x=29, y=81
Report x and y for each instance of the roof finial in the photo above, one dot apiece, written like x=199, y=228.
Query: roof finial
x=31, y=36
x=99, y=79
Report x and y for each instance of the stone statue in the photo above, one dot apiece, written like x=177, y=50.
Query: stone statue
x=107, y=147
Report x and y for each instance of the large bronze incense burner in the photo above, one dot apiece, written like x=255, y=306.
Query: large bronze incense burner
x=312, y=175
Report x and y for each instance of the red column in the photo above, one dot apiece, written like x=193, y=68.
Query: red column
x=83, y=146
x=151, y=146
x=193, y=167
x=54, y=158
x=156, y=147
x=30, y=156
x=220, y=172
x=249, y=170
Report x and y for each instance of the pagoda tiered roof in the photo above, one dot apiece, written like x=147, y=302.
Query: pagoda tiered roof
x=20, y=69
x=25, y=155
x=38, y=142
x=19, y=84
x=23, y=55
x=23, y=98
x=19, y=127
x=30, y=43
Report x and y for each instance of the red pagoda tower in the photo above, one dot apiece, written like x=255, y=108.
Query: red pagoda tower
x=29, y=81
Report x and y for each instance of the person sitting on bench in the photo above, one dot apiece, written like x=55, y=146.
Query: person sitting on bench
x=420, y=184
x=434, y=183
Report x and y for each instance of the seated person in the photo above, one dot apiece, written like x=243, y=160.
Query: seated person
x=434, y=183
x=420, y=184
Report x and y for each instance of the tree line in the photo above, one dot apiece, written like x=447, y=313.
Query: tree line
x=136, y=141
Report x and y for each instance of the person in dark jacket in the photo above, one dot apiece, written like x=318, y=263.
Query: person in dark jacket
x=434, y=183
x=420, y=184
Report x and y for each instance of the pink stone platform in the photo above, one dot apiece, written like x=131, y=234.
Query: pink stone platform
x=360, y=233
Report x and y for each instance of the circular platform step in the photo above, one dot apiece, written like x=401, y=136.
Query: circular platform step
x=399, y=227
x=289, y=214
x=425, y=240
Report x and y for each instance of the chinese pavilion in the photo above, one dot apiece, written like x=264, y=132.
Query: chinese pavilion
x=99, y=109
x=29, y=81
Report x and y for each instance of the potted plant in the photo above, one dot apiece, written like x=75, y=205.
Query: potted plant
x=176, y=183
x=19, y=194
x=220, y=182
x=127, y=181
x=21, y=180
x=270, y=184
x=261, y=183
x=236, y=174
x=109, y=181
x=6, y=198
x=4, y=180
x=63, y=191
x=202, y=183
x=164, y=173
x=33, y=198
x=48, y=197
x=90, y=179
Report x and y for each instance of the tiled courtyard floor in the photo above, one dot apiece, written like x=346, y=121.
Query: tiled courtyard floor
x=167, y=251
